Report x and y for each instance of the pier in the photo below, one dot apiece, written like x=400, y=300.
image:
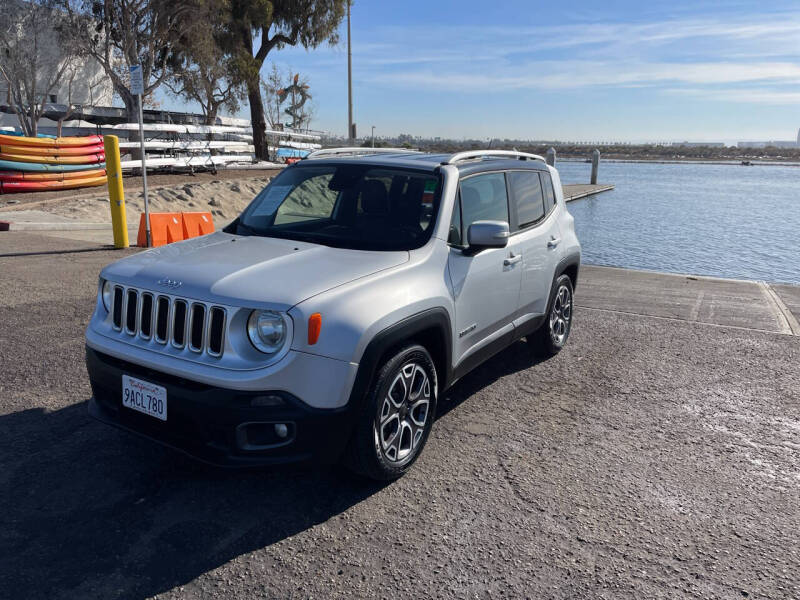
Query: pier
x=576, y=191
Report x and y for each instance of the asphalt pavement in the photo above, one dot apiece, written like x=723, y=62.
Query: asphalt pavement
x=658, y=456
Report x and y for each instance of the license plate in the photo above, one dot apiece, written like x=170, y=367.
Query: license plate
x=145, y=397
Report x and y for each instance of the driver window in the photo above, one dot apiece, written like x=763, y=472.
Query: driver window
x=483, y=198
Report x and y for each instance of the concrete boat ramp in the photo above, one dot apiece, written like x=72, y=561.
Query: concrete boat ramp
x=654, y=457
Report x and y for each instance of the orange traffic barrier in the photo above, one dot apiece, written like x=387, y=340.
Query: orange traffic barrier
x=196, y=224
x=165, y=228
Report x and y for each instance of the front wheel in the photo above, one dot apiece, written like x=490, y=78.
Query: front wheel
x=552, y=336
x=397, y=417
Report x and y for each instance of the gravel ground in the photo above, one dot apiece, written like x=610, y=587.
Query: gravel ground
x=653, y=458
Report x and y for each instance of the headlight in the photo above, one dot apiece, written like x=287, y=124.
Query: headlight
x=108, y=295
x=267, y=330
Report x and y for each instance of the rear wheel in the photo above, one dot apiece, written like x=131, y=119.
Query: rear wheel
x=552, y=336
x=397, y=416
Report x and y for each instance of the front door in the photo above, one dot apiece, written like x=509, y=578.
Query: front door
x=485, y=285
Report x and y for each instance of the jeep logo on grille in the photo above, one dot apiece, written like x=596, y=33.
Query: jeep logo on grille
x=170, y=283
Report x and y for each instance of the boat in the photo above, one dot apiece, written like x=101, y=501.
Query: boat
x=12, y=187
x=9, y=165
x=54, y=160
x=52, y=152
x=50, y=142
x=28, y=176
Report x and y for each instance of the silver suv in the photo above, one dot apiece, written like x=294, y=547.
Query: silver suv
x=325, y=322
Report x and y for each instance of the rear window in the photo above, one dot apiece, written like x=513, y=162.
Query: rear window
x=549, y=193
x=526, y=191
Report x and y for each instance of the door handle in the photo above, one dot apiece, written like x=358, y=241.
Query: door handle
x=513, y=258
x=553, y=241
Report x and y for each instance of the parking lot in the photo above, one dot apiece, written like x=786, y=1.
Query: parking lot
x=658, y=456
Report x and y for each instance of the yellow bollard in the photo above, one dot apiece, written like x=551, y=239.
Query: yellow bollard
x=116, y=195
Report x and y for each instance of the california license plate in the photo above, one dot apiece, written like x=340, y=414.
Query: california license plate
x=145, y=397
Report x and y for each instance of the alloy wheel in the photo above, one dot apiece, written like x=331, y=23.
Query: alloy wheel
x=560, y=315
x=403, y=415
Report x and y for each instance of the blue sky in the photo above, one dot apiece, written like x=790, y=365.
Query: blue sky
x=583, y=71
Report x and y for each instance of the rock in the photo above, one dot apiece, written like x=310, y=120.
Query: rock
x=188, y=190
x=234, y=187
x=215, y=202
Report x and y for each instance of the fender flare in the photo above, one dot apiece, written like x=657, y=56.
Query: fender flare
x=394, y=335
x=571, y=260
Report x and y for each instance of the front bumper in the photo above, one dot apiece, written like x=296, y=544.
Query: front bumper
x=217, y=425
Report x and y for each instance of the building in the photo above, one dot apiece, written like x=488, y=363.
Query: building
x=84, y=83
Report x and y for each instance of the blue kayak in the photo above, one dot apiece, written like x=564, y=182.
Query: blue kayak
x=20, y=134
x=11, y=165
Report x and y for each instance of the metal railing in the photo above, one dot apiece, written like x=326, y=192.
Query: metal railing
x=471, y=154
x=358, y=151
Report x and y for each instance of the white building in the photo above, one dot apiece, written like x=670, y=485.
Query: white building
x=84, y=83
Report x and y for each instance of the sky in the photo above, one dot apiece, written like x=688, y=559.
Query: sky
x=569, y=71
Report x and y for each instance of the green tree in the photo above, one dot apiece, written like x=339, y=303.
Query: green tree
x=253, y=28
x=201, y=71
x=122, y=33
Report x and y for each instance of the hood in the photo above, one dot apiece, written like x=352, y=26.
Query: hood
x=257, y=272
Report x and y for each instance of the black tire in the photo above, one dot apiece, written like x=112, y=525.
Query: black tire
x=367, y=453
x=552, y=335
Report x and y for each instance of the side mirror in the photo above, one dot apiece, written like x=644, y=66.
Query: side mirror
x=487, y=234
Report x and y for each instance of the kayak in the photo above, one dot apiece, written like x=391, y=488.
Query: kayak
x=12, y=187
x=56, y=152
x=62, y=142
x=54, y=160
x=23, y=176
x=7, y=165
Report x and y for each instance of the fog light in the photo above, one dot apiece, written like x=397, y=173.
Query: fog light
x=271, y=400
x=281, y=430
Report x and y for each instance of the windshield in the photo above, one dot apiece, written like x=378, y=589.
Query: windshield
x=348, y=206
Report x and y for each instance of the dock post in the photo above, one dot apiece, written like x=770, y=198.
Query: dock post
x=595, y=165
x=551, y=156
x=116, y=195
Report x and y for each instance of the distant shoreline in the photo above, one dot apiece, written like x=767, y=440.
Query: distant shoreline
x=695, y=161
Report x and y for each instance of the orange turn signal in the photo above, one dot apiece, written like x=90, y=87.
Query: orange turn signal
x=314, y=327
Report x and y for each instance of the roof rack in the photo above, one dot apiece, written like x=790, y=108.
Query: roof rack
x=459, y=156
x=358, y=151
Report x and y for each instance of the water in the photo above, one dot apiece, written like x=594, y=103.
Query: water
x=719, y=220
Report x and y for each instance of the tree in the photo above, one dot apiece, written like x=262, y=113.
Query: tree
x=273, y=102
x=296, y=95
x=202, y=74
x=253, y=28
x=122, y=33
x=33, y=59
x=77, y=98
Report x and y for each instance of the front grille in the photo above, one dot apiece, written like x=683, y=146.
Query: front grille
x=168, y=320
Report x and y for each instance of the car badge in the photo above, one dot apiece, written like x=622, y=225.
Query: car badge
x=170, y=283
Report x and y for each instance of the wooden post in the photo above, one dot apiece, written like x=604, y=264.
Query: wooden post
x=595, y=165
x=551, y=156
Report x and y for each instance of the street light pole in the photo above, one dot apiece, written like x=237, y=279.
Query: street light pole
x=349, y=82
x=373, y=136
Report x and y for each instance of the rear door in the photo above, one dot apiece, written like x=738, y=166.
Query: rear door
x=535, y=230
x=486, y=285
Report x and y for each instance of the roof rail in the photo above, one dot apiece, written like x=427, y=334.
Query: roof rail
x=459, y=156
x=358, y=151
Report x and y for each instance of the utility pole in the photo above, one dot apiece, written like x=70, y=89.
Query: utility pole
x=373, y=136
x=350, y=139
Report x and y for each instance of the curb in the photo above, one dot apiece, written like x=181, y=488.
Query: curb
x=12, y=226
